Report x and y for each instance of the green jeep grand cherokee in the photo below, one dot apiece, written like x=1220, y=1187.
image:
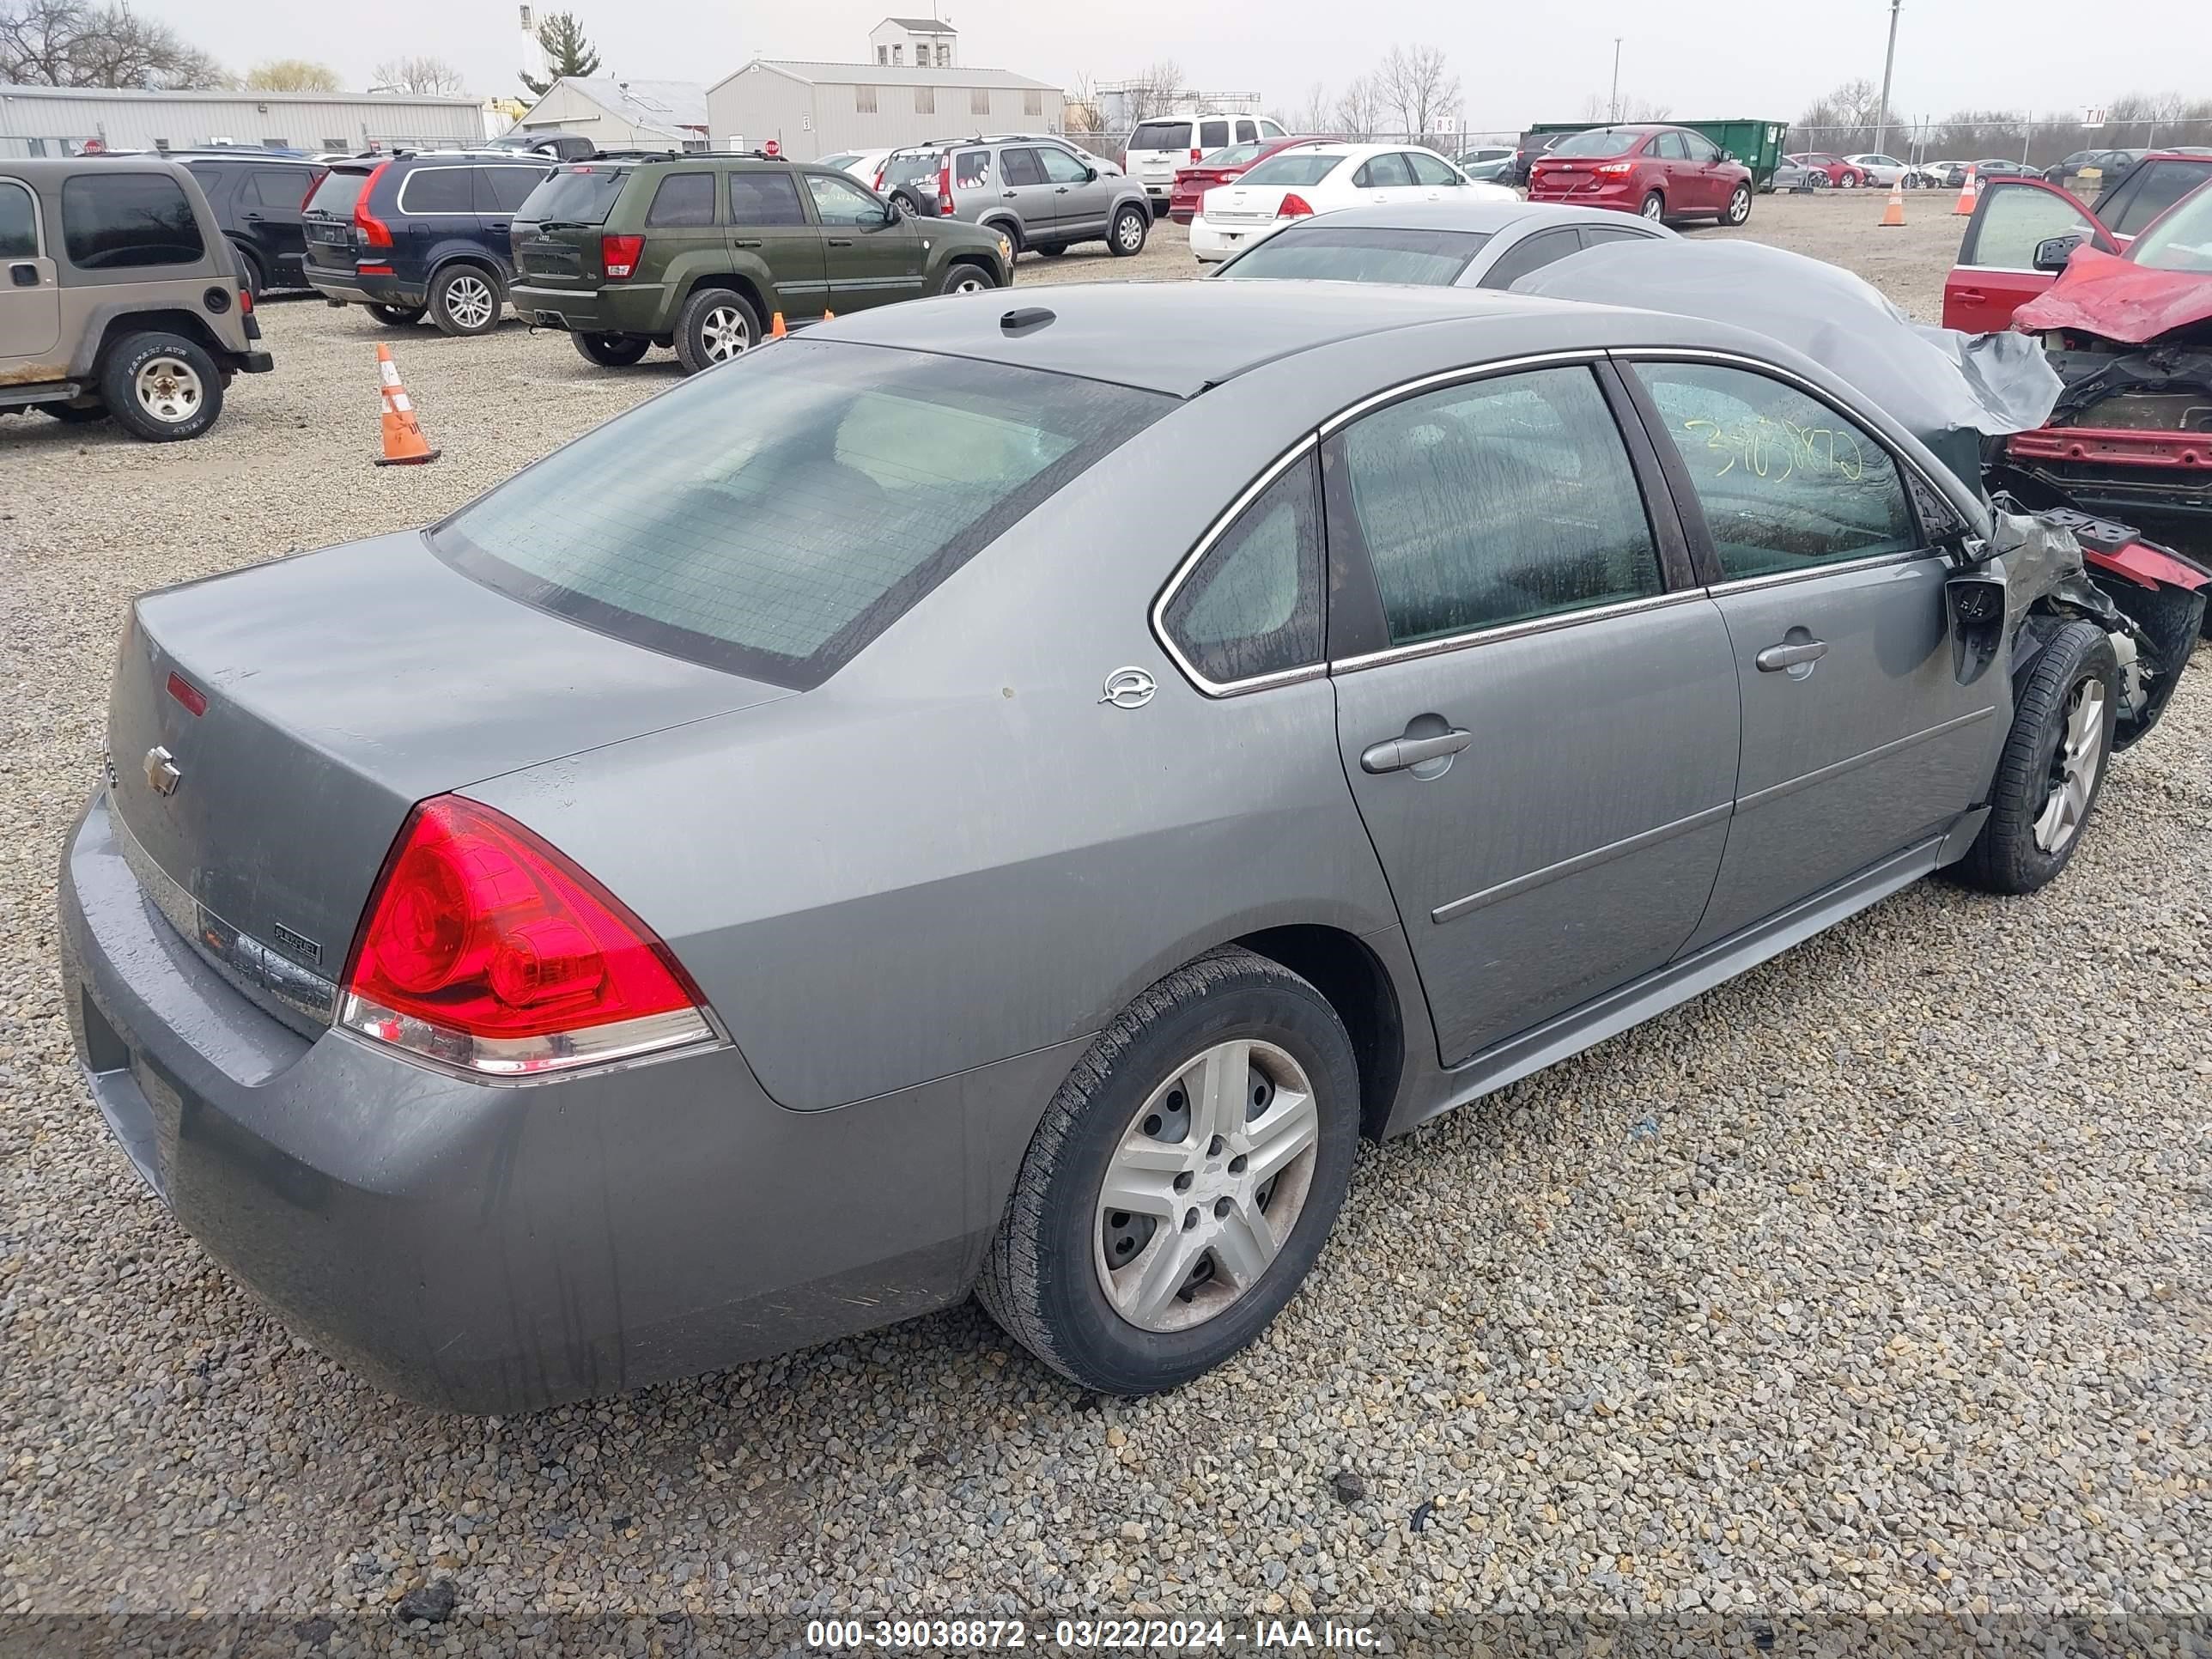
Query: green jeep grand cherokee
x=699, y=252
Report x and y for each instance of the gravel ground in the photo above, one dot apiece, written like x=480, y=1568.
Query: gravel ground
x=1876, y=1278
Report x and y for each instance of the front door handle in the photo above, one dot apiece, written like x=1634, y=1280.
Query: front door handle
x=1008, y=194
x=1396, y=754
x=841, y=242
x=751, y=241
x=1776, y=657
x=1973, y=296
x=23, y=275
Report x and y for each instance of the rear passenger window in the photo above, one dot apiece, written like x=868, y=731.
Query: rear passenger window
x=1247, y=133
x=1786, y=483
x=1020, y=167
x=1496, y=501
x=129, y=221
x=1669, y=147
x=19, y=225
x=280, y=188
x=1386, y=172
x=1531, y=254
x=1213, y=135
x=1253, y=606
x=971, y=169
x=438, y=190
x=683, y=200
x=509, y=187
x=764, y=199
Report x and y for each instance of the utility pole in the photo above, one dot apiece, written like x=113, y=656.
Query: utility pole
x=1614, y=108
x=1888, y=62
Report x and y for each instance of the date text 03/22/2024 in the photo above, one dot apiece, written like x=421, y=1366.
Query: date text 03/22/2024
x=1259, y=1636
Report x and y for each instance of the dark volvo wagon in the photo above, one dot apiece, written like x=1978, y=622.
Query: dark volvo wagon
x=924, y=875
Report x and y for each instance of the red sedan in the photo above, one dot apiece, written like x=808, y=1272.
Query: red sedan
x=1843, y=175
x=1191, y=183
x=1662, y=173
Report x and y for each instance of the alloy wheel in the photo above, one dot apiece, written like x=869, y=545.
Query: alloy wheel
x=1654, y=208
x=1739, y=209
x=967, y=282
x=724, y=332
x=469, y=301
x=1207, y=1184
x=168, y=389
x=2074, y=768
x=1131, y=231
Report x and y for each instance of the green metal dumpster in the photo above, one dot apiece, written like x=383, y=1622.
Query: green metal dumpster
x=1757, y=144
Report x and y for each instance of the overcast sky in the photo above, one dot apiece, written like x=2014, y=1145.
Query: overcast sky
x=1516, y=62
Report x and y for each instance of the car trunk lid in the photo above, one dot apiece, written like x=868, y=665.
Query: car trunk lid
x=268, y=731
x=557, y=233
x=1245, y=204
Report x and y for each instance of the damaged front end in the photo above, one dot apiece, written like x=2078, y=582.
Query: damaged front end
x=2130, y=434
x=2033, y=574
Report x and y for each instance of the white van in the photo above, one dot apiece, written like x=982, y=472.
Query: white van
x=1157, y=148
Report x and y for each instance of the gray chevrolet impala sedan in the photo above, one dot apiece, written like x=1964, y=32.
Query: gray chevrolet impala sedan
x=1000, y=800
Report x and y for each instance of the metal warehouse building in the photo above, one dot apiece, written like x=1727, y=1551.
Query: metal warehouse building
x=813, y=109
x=61, y=120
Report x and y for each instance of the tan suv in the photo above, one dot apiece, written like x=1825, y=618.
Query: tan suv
x=120, y=296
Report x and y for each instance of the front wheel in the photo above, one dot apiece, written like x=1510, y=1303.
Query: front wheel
x=611, y=350
x=715, y=325
x=464, y=300
x=396, y=316
x=1738, y=205
x=1850, y=181
x=1182, y=1181
x=160, y=387
x=2052, y=767
x=1654, y=208
x=965, y=279
x=1127, y=236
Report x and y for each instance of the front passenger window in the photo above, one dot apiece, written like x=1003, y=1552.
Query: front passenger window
x=841, y=202
x=1786, y=483
x=1253, y=606
x=1496, y=501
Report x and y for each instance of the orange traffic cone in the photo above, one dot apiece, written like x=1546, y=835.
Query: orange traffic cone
x=828, y=315
x=1893, y=215
x=776, y=329
x=404, y=442
x=1968, y=192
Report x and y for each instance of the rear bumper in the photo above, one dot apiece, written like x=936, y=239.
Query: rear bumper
x=1213, y=242
x=254, y=362
x=348, y=287
x=1626, y=196
x=592, y=311
x=487, y=1248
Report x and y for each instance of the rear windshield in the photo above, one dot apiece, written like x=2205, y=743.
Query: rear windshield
x=1606, y=140
x=1301, y=168
x=574, y=195
x=339, y=190
x=1351, y=254
x=773, y=516
x=1161, y=135
x=911, y=165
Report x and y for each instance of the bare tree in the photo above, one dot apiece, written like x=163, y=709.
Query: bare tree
x=290, y=75
x=1313, y=114
x=1359, y=108
x=425, y=77
x=1417, y=84
x=1155, y=91
x=1079, y=110
x=1843, y=120
x=73, y=42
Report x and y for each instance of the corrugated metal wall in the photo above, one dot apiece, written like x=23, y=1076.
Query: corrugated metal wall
x=32, y=125
x=758, y=104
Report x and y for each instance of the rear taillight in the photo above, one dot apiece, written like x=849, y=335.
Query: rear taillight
x=879, y=178
x=375, y=233
x=620, y=255
x=1293, y=206
x=1198, y=155
x=945, y=188
x=485, y=948
x=244, y=300
x=1615, y=169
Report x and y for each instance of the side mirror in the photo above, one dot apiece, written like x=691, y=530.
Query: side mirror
x=2052, y=252
x=1090, y=175
x=1727, y=155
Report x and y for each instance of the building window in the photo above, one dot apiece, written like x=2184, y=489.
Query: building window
x=898, y=54
x=925, y=101
x=1033, y=101
x=334, y=143
x=160, y=143
x=979, y=101
x=864, y=100
x=883, y=54
x=944, y=57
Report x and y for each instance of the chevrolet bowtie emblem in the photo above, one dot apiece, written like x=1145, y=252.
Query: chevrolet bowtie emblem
x=161, y=773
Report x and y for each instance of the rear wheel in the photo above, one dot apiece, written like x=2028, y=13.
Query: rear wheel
x=1182, y=1181
x=1738, y=205
x=715, y=325
x=2052, y=767
x=1049, y=250
x=1127, y=236
x=464, y=300
x=611, y=350
x=396, y=316
x=1850, y=181
x=160, y=387
x=1654, y=208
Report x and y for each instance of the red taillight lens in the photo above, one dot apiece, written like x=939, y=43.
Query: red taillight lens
x=244, y=300
x=375, y=233
x=1198, y=155
x=185, y=691
x=945, y=190
x=1293, y=206
x=485, y=948
x=620, y=255
x=1615, y=169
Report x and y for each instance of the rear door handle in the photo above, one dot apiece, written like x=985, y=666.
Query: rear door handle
x=1396, y=754
x=751, y=241
x=841, y=242
x=1776, y=657
x=1008, y=194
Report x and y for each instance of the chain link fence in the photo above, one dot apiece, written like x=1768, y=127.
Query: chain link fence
x=2036, y=144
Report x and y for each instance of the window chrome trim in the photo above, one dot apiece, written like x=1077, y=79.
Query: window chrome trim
x=1527, y=627
x=1811, y=572
x=1220, y=526
x=399, y=201
x=1811, y=389
x=1454, y=376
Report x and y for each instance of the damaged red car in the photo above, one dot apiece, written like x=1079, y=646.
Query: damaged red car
x=2130, y=334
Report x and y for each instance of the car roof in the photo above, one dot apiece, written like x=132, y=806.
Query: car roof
x=1489, y=217
x=1180, y=338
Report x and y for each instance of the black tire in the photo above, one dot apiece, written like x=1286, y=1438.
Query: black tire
x=396, y=316
x=1126, y=236
x=73, y=414
x=2006, y=857
x=703, y=328
x=465, y=300
x=1739, y=206
x=907, y=202
x=966, y=277
x=250, y=277
x=1654, y=208
x=162, y=387
x=612, y=350
x=1049, y=250
x=1042, y=1279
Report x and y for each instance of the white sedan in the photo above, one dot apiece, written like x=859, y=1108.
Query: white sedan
x=1318, y=178
x=1882, y=171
